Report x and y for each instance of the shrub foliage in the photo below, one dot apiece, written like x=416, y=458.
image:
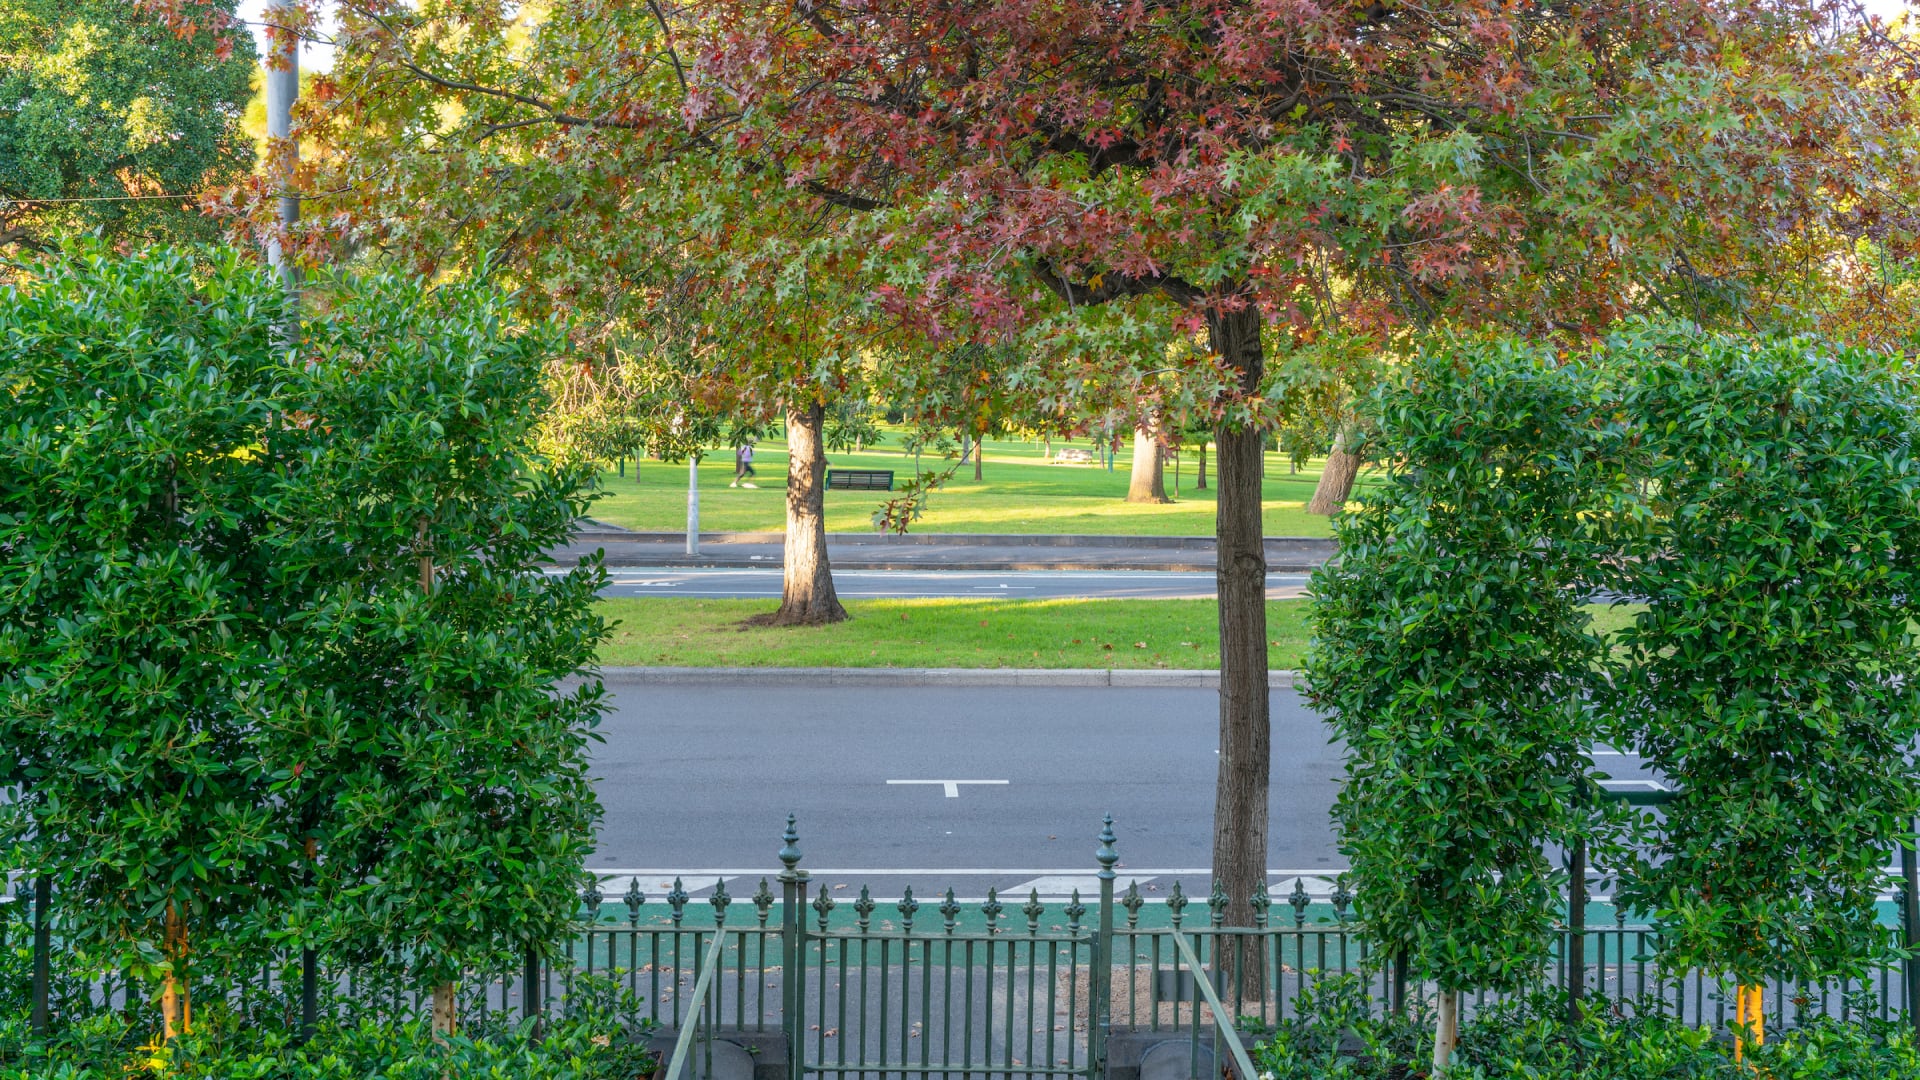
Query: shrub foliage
x=279, y=663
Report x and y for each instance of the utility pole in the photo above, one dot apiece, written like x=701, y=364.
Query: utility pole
x=283, y=88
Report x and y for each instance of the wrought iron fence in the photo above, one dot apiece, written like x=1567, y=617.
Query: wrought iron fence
x=1019, y=988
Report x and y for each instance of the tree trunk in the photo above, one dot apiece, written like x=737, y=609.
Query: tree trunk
x=1749, y=1018
x=1148, y=483
x=1446, y=1029
x=1201, y=484
x=445, y=1011
x=1336, y=483
x=807, y=597
x=443, y=1000
x=1240, y=799
x=979, y=454
x=176, y=1005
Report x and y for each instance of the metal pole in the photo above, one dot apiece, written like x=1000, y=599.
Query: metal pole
x=1398, y=1003
x=1910, y=869
x=1576, y=927
x=42, y=950
x=793, y=892
x=1102, y=994
x=309, y=994
x=693, y=504
x=530, y=984
x=283, y=89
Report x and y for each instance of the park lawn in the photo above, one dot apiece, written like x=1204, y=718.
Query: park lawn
x=1020, y=493
x=945, y=633
x=939, y=633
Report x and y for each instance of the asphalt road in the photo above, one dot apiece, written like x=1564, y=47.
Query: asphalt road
x=946, y=787
x=724, y=583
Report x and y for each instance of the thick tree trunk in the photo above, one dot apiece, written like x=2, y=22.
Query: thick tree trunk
x=807, y=597
x=1336, y=483
x=1446, y=1029
x=1240, y=799
x=979, y=455
x=1201, y=484
x=1148, y=482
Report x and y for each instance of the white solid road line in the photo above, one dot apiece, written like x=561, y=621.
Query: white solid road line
x=952, y=786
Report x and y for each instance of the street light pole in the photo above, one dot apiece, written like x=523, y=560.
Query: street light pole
x=283, y=89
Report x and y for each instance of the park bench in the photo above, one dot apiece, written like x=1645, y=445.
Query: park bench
x=859, y=479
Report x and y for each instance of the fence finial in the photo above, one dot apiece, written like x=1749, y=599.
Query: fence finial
x=1106, y=856
x=790, y=849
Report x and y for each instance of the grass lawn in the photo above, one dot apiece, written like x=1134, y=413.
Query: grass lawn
x=944, y=633
x=1020, y=493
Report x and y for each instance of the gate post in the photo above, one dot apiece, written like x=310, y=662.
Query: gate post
x=793, y=983
x=42, y=951
x=1102, y=988
x=1910, y=870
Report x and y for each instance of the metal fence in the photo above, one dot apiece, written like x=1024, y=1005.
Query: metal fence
x=1017, y=988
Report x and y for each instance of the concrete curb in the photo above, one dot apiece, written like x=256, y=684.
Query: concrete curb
x=843, y=562
x=1201, y=679
x=600, y=533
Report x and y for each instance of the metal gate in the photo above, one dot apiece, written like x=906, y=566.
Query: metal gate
x=906, y=988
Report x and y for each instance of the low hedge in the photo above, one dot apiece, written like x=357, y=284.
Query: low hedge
x=595, y=1039
x=1532, y=1039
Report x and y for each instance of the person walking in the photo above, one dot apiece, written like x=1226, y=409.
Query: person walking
x=743, y=466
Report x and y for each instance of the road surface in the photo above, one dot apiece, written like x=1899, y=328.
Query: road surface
x=945, y=787
x=724, y=583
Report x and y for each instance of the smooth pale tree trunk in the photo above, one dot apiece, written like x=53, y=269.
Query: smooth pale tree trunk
x=176, y=1002
x=807, y=597
x=1148, y=482
x=445, y=1011
x=1240, y=795
x=1201, y=484
x=1446, y=1029
x=1336, y=483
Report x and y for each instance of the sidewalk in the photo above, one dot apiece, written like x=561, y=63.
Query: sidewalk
x=938, y=551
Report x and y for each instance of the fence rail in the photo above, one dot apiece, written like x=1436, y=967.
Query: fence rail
x=1021, y=988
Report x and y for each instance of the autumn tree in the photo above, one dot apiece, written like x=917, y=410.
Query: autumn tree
x=551, y=142
x=1290, y=169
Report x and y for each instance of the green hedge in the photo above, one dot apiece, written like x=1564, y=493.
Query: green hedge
x=1336, y=1038
x=596, y=1039
x=281, y=666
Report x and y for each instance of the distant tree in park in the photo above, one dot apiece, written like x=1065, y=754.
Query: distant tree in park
x=114, y=122
x=558, y=154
